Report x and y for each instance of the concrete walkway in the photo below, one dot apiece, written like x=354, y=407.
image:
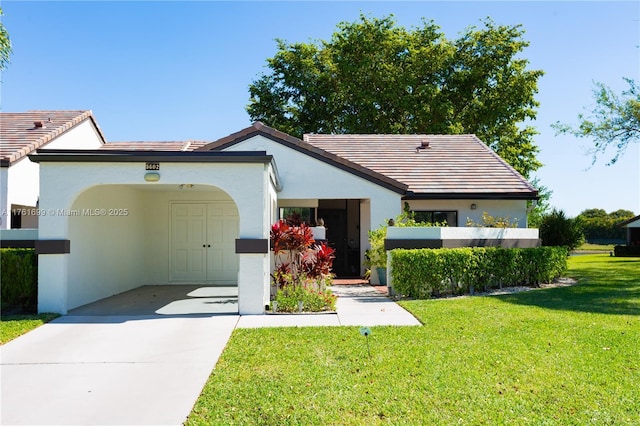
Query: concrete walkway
x=357, y=305
x=144, y=362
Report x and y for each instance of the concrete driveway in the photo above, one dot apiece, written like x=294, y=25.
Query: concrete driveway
x=110, y=364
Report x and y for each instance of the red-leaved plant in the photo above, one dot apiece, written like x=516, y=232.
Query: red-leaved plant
x=304, y=260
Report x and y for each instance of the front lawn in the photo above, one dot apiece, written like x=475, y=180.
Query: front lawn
x=17, y=325
x=590, y=247
x=565, y=355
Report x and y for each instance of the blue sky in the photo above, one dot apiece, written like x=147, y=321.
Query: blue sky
x=181, y=70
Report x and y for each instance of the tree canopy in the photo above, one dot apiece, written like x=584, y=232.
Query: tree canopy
x=600, y=225
x=536, y=211
x=374, y=76
x=5, y=45
x=613, y=123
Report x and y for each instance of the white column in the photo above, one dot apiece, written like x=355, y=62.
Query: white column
x=253, y=200
x=253, y=284
x=52, y=283
x=57, y=193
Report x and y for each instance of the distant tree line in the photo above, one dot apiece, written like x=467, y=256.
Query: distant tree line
x=597, y=224
x=591, y=225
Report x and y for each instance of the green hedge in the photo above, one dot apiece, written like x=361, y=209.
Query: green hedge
x=424, y=273
x=626, y=251
x=19, y=274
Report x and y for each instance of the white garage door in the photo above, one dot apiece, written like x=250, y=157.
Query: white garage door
x=203, y=243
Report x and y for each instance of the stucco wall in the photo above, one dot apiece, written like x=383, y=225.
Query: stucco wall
x=513, y=209
x=107, y=251
x=82, y=136
x=22, y=184
x=5, y=215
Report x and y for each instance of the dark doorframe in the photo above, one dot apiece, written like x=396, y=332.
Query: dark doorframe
x=342, y=220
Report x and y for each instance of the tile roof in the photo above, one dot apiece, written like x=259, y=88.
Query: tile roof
x=452, y=166
x=154, y=146
x=326, y=156
x=19, y=135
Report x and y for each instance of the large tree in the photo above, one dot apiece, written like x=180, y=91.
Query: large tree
x=5, y=45
x=374, y=76
x=612, y=124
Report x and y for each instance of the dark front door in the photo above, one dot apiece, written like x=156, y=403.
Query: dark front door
x=335, y=221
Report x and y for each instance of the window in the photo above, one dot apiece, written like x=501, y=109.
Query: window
x=448, y=217
x=306, y=214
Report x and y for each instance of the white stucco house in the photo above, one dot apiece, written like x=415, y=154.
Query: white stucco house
x=21, y=134
x=153, y=213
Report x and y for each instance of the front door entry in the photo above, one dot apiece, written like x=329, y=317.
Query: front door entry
x=342, y=220
x=203, y=243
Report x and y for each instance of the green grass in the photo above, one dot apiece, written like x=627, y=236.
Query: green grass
x=17, y=325
x=566, y=355
x=596, y=247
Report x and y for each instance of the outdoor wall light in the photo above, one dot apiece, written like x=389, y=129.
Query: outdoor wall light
x=152, y=177
x=473, y=206
x=185, y=186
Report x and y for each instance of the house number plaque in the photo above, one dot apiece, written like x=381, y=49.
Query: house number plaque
x=152, y=166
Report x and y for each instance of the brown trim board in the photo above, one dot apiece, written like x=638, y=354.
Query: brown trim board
x=390, y=244
x=252, y=246
x=17, y=243
x=41, y=246
x=53, y=246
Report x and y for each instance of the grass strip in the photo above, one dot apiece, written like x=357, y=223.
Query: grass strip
x=16, y=325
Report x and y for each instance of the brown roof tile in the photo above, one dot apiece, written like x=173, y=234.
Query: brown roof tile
x=451, y=165
x=19, y=135
x=346, y=164
x=155, y=146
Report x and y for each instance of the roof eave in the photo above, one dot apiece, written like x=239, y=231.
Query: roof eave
x=103, y=156
x=472, y=196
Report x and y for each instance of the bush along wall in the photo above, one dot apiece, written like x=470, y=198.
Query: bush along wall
x=425, y=273
x=626, y=251
x=19, y=274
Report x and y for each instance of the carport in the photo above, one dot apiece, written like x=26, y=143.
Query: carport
x=119, y=220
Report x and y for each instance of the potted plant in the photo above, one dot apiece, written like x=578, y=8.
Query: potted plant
x=376, y=256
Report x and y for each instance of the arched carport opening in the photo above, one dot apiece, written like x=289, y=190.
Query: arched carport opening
x=125, y=236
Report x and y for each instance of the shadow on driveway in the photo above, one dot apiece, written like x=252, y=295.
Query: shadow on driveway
x=159, y=301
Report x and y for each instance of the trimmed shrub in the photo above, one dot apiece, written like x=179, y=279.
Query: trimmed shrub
x=423, y=273
x=19, y=274
x=626, y=251
x=417, y=273
x=558, y=230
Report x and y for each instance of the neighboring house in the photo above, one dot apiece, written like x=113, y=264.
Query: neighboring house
x=632, y=227
x=190, y=212
x=21, y=133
